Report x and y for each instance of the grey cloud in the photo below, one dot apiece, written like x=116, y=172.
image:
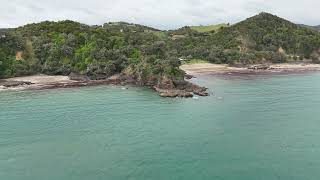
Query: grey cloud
x=34, y=7
x=163, y=14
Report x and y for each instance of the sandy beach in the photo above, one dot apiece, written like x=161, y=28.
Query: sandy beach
x=207, y=68
x=42, y=79
x=48, y=82
x=38, y=82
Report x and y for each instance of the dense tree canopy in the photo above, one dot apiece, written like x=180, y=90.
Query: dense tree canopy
x=144, y=52
x=67, y=46
x=262, y=38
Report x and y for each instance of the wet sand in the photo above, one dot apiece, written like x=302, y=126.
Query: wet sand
x=37, y=82
x=41, y=81
x=221, y=69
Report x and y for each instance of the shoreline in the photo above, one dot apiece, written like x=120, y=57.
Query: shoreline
x=224, y=69
x=165, y=87
x=40, y=82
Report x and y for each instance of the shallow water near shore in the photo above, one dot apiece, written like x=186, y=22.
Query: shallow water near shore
x=262, y=127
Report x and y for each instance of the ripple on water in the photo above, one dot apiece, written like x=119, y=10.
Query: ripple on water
x=257, y=128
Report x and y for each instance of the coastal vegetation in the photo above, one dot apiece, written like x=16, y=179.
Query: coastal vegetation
x=60, y=48
x=316, y=28
x=259, y=39
x=146, y=54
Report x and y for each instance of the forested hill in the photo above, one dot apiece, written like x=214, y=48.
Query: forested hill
x=97, y=51
x=317, y=28
x=148, y=54
x=262, y=38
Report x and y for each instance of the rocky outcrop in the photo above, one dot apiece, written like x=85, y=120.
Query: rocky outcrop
x=190, y=87
x=179, y=88
x=14, y=83
x=166, y=87
x=173, y=93
x=165, y=83
x=260, y=67
x=187, y=76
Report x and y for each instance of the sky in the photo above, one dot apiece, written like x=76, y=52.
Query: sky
x=161, y=14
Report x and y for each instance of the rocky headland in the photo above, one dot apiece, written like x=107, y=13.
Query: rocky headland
x=166, y=87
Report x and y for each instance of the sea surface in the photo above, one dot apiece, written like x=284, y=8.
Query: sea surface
x=251, y=128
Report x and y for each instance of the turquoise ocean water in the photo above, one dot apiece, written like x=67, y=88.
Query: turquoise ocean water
x=251, y=128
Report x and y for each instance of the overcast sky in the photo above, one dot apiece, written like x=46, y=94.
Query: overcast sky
x=162, y=14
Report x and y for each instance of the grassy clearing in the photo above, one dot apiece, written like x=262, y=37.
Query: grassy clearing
x=208, y=28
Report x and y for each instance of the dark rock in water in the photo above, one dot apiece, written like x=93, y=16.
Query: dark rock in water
x=173, y=93
x=179, y=88
x=78, y=77
x=15, y=83
x=165, y=86
x=201, y=93
x=189, y=87
x=187, y=76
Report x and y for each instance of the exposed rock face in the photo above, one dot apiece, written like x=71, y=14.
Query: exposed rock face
x=166, y=87
x=189, y=87
x=173, y=93
x=187, y=76
x=201, y=92
x=123, y=79
x=165, y=83
x=179, y=88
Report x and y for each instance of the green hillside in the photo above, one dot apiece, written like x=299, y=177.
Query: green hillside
x=97, y=51
x=148, y=54
x=316, y=28
x=262, y=38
